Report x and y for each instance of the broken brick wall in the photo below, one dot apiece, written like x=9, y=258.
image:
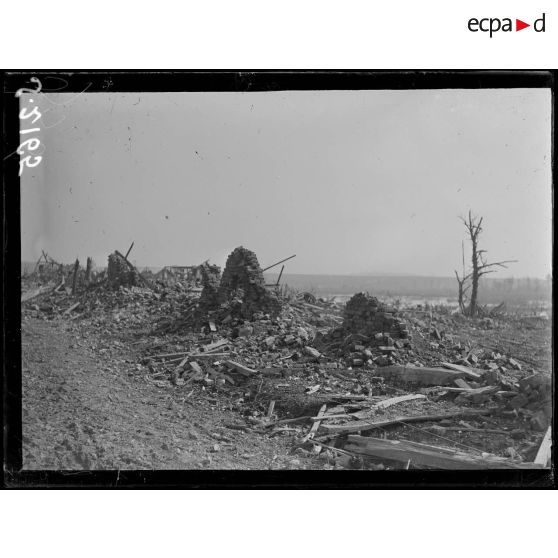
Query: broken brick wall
x=211, y=279
x=243, y=280
x=365, y=314
x=119, y=272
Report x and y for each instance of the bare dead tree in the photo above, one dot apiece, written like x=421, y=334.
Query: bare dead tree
x=479, y=265
x=462, y=289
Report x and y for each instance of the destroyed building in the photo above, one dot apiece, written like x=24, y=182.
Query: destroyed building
x=185, y=274
x=211, y=279
x=243, y=282
x=120, y=272
x=366, y=315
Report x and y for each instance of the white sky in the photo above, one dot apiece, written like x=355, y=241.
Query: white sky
x=350, y=181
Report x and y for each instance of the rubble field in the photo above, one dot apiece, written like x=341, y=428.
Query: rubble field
x=126, y=371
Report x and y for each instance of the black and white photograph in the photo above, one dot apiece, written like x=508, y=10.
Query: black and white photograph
x=353, y=278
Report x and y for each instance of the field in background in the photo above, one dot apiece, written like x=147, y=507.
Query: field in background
x=411, y=290
x=435, y=290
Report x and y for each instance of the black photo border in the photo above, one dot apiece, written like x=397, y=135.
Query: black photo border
x=211, y=80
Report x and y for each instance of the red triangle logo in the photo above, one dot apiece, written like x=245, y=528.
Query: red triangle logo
x=519, y=25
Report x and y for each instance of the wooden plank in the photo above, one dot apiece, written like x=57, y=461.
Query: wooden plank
x=461, y=383
x=270, y=409
x=214, y=346
x=545, y=450
x=421, y=375
x=384, y=404
x=379, y=405
x=428, y=456
x=485, y=390
x=457, y=367
x=341, y=397
x=209, y=355
x=316, y=425
x=182, y=354
x=364, y=425
x=170, y=355
x=286, y=421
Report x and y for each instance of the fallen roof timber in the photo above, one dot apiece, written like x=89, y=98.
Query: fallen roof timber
x=423, y=375
x=364, y=425
x=423, y=455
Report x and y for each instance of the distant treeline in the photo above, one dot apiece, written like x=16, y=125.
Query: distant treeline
x=491, y=290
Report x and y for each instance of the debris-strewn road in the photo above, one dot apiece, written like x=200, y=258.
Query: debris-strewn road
x=85, y=406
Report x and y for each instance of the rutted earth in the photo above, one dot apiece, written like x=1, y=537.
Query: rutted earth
x=86, y=406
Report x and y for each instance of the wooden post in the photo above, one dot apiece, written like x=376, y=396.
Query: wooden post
x=74, y=280
x=279, y=278
x=128, y=252
x=88, y=271
x=273, y=265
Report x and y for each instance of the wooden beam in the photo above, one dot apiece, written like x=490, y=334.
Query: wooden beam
x=270, y=409
x=240, y=368
x=421, y=375
x=545, y=450
x=129, y=250
x=273, y=265
x=213, y=346
x=380, y=405
x=364, y=425
x=423, y=455
x=485, y=390
x=461, y=383
x=458, y=368
x=279, y=278
x=316, y=425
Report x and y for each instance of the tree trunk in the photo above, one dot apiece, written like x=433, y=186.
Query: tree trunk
x=474, y=280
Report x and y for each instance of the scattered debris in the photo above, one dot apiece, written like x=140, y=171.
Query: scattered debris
x=300, y=367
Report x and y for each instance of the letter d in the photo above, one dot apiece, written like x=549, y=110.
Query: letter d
x=535, y=25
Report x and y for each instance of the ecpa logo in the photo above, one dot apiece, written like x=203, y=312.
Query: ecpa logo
x=494, y=24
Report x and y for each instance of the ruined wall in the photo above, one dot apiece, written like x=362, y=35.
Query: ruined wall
x=211, y=278
x=367, y=315
x=243, y=279
x=119, y=273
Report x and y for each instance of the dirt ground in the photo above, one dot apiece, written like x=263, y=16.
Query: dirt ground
x=86, y=406
x=100, y=388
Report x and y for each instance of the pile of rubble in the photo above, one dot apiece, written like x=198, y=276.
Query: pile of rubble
x=210, y=296
x=365, y=314
x=120, y=272
x=329, y=376
x=243, y=282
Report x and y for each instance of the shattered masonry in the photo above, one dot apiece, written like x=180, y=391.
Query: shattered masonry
x=119, y=272
x=365, y=314
x=211, y=278
x=243, y=280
